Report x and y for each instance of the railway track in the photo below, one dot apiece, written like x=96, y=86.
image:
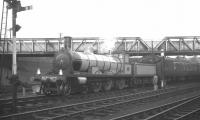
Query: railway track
x=100, y=107
x=40, y=102
x=22, y=101
x=159, y=112
x=194, y=114
x=6, y=104
x=185, y=111
x=8, y=101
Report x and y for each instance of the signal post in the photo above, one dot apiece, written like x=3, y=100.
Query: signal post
x=15, y=5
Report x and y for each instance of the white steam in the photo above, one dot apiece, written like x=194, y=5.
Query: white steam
x=108, y=44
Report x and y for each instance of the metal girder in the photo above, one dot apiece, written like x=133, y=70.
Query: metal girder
x=144, y=43
x=179, y=43
x=132, y=45
x=120, y=44
x=48, y=43
x=186, y=44
x=184, y=37
x=22, y=44
x=96, y=42
x=83, y=42
x=160, y=43
x=172, y=44
x=40, y=47
x=197, y=39
x=85, y=38
x=128, y=43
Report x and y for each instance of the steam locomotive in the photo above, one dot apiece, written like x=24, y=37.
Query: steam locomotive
x=82, y=72
x=87, y=72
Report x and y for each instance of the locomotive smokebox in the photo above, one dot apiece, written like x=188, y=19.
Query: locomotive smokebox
x=68, y=43
x=63, y=60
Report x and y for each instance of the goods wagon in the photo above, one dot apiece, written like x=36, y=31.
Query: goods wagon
x=174, y=69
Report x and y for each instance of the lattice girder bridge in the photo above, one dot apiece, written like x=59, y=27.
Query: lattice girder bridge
x=174, y=45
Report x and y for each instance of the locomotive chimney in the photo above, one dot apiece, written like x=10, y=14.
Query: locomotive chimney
x=68, y=42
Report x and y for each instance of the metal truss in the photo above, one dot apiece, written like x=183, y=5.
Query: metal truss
x=172, y=45
x=180, y=45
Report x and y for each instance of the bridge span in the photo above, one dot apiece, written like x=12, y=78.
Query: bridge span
x=134, y=46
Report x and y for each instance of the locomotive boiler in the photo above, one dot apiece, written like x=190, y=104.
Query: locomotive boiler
x=86, y=62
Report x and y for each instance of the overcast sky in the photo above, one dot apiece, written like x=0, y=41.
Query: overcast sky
x=148, y=19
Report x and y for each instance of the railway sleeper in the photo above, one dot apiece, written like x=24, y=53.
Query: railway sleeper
x=63, y=111
x=40, y=117
x=55, y=113
x=174, y=115
x=112, y=110
x=72, y=109
x=107, y=112
x=100, y=114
